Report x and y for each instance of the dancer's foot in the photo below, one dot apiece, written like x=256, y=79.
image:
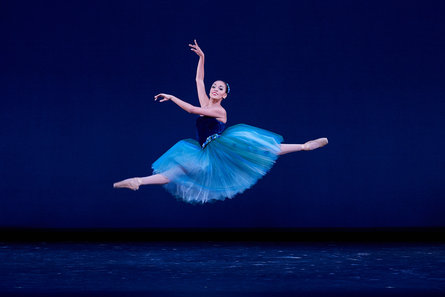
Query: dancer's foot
x=314, y=144
x=130, y=183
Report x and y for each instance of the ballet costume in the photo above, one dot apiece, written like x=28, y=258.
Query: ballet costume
x=220, y=163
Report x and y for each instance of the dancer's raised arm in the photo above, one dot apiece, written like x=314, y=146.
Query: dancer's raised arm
x=203, y=98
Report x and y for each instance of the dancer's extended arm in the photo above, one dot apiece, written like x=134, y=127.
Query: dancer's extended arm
x=211, y=112
x=203, y=98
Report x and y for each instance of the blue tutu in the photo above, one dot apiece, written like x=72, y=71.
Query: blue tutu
x=220, y=163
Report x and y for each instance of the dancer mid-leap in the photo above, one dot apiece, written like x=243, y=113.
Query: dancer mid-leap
x=220, y=162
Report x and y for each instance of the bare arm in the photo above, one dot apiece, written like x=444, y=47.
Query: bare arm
x=211, y=112
x=203, y=98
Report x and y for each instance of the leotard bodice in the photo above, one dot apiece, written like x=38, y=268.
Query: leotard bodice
x=207, y=127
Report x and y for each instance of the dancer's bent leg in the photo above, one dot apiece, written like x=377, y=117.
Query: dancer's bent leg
x=135, y=182
x=155, y=179
x=308, y=146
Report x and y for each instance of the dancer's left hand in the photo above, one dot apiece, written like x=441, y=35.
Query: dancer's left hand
x=166, y=97
x=195, y=47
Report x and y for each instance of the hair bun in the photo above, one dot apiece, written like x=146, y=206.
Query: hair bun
x=228, y=88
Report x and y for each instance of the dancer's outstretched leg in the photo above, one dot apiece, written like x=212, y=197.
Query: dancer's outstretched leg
x=315, y=144
x=308, y=146
x=135, y=182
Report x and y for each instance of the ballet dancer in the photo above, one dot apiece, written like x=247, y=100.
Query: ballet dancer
x=222, y=161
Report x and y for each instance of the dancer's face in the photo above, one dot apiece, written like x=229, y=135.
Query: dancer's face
x=218, y=90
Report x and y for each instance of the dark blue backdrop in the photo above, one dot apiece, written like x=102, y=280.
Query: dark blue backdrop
x=77, y=81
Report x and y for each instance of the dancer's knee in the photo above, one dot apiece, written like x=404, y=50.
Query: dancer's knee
x=163, y=179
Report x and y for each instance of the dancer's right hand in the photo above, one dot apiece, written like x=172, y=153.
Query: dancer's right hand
x=165, y=97
x=195, y=47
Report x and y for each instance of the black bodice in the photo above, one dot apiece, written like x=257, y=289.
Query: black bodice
x=207, y=126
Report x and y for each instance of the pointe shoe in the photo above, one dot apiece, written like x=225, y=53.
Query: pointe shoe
x=314, y=144
x=130, y=183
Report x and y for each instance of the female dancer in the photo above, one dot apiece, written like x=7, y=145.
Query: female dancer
x=220, y=162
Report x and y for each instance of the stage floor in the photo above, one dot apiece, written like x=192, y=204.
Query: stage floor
x=221, y=269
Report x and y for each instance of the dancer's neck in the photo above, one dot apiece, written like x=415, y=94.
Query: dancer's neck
x=215, y=102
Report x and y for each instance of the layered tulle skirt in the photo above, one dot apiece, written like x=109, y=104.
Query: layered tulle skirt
x=229, y=163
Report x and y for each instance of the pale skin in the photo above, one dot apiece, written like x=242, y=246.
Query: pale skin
x=210, y=105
